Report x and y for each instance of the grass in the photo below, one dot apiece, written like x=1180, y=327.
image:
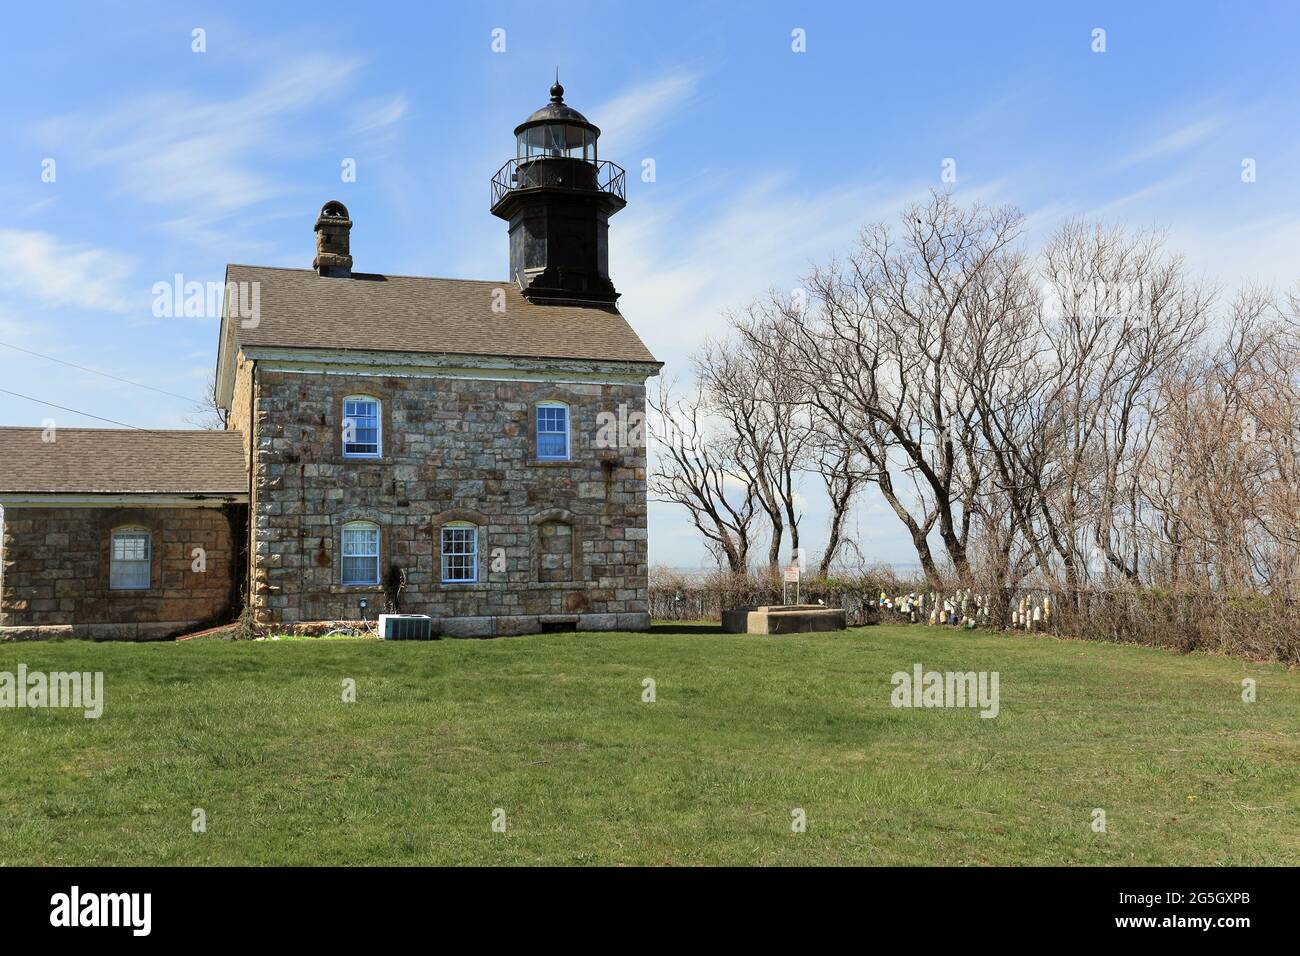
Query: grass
x=552, y=729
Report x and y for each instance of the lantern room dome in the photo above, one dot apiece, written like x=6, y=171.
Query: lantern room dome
x=556, y=111
x=556, y=130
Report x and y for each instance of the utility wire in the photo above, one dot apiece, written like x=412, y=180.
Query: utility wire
x=41, y=401
x=93, y=371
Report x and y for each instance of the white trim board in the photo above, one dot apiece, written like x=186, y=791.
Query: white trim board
x=119, y=501
x=421, y=365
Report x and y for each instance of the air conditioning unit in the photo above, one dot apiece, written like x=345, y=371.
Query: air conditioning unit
x=406, y=627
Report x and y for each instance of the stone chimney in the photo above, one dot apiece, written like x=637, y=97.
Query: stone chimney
x=333, y=248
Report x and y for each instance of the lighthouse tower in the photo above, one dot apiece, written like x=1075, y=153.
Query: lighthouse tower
x=557, y=194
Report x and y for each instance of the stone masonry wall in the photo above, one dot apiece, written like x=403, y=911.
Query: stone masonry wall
x=241, y=413
x=241, y=420
x=56, y=572
x=559, y=543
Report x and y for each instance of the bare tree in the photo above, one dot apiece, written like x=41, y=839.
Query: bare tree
x=765, y=416
x=1222, y=476
x=1060, y=417
x=883, y=341
x=208, y=413
x=843, y=473
x=691, y=468
x=1066, y=381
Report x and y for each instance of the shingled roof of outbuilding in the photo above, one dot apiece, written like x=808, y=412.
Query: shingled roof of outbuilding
x=122, y=461
x=299, y=309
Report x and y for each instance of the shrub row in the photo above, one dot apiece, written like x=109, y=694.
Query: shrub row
x=1256, y=626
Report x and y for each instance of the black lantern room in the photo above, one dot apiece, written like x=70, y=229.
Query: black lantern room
x=558, y=195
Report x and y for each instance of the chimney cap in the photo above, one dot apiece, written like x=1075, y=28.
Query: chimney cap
x=333, y=212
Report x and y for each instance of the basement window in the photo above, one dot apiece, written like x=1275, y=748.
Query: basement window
x=129, y=567
x=361, y=427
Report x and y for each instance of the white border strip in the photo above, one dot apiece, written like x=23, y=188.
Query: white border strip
x=423, y=365
x=120, y=501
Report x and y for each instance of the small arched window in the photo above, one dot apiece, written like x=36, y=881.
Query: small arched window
x=360, y=552
x=362, y=427
x=130, y=564
x=552, y=431
x=459, y=552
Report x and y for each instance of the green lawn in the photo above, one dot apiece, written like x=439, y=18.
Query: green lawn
x=553, y=730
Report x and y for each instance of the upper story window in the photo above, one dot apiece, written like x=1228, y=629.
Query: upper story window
x=552, y=431
x=361, y=427
x=129, y=564
x=459, y=553
x=360, y=553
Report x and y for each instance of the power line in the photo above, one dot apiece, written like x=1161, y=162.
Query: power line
x=41, y=401
x=93, y=371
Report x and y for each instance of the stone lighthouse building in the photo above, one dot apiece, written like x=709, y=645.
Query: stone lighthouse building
x=470, y=450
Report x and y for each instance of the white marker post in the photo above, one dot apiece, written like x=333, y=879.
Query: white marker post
x=790, y=573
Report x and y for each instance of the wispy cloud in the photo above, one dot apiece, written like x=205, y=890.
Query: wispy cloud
x=631, y=118
x=380, y=113
x=1259, y=249
x=204, y=160
x=52, y=274
x=1177, y=141
x=1144, y=194
x=680, y=273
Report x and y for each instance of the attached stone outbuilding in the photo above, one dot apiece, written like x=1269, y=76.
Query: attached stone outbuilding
x=120, y=534
x=469, y=450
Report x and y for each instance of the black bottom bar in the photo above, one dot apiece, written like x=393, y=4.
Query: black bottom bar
x=337, y=906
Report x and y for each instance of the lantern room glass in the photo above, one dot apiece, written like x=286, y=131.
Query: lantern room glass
x=557, y=141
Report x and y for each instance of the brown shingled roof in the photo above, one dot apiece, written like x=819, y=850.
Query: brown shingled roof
x=299, y=309
x=121, y=461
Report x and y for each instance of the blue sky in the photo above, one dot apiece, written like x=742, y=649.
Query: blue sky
x=169, y=161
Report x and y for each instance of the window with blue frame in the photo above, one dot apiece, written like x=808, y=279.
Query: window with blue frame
x=553, y=431
x=361, y=427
